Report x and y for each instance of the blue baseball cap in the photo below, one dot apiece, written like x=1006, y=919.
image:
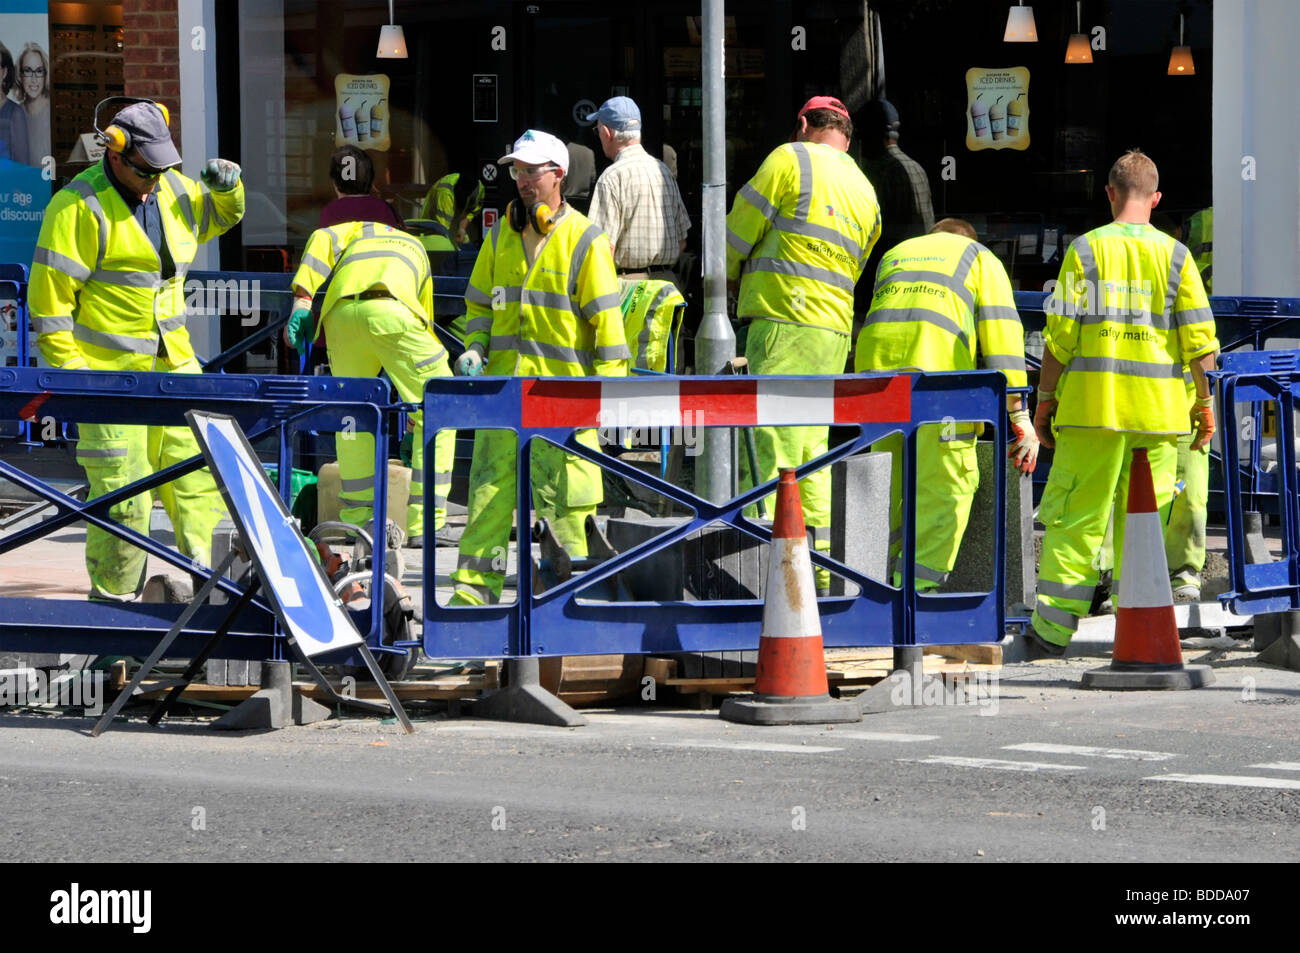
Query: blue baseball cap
x=619, y=113
x=150, y=137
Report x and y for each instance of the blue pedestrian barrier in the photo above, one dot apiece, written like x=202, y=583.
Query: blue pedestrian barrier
x=1254, y=378
x=275, y=406
x=559, y=622
x=13, y=287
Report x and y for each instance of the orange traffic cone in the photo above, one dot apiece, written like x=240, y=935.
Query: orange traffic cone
x=1147, y=653
x=791, y=687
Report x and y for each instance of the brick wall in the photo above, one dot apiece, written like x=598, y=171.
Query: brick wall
x=151, y=68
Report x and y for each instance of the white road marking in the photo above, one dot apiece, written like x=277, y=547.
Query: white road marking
x=1085, y=751
x=745, y=746
x=1279, y=766
x=1242, y=781
x=995, y=764
x=883, y=736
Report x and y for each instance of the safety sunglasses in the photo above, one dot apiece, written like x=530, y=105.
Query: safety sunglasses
x=143, y=173
x=531, y=171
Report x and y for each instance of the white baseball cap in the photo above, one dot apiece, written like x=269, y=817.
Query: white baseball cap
x=539, y=148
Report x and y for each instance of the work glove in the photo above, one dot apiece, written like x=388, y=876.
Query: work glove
x=298, y=331
x=1025, y=450
x=470, y=364
x=1202, y=421
x=1043, y=415
x=220, y=175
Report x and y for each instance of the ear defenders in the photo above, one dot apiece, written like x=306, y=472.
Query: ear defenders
x=539, y=216
x=114, y=137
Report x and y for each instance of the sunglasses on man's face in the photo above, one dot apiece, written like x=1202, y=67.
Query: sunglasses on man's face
x=143, y=173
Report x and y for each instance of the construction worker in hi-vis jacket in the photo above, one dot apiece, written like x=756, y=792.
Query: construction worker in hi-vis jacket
x=377, y=314
x=543, y=300
x=943, y=302
x=107, y=293
x=798, y=237
x=1128, y=313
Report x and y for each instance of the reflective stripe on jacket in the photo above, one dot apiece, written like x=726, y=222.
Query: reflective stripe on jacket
x=97, y=295
x=559, y=316
x=362, y=256
x=649, y=307
x=1127, y=313
x=798, y=236
x=440, y=201
x=942, y=303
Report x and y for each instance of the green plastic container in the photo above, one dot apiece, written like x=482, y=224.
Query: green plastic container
x=297, y=480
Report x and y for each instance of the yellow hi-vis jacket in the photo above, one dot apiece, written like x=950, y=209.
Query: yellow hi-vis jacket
x=556, y=317
x=650, y=321
x=440, y=201
x=362, y=256
x=798, y=237
x=96, y=295
x=937, y=297
x=1126, y=314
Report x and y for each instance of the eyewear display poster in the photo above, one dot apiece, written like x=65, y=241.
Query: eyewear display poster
x=26, y=165
x=362, y=109
x=997, y=108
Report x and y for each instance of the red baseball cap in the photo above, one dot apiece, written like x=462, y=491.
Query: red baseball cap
x=825, y=102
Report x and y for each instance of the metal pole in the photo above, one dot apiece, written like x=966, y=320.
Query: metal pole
x=715, y=342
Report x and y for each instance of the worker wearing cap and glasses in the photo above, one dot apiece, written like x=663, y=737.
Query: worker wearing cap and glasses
x=542, y=301
x=107, y=293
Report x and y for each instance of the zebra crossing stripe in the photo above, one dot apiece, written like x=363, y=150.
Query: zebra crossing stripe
x=1085, y=751
x=995, y=764
x=1235, y=780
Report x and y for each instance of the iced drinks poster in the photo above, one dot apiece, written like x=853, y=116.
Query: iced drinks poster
x=997, y=108
x=361, y=111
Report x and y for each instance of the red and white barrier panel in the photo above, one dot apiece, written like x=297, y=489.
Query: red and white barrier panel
x=752, y=402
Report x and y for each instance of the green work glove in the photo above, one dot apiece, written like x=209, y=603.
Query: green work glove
x=470, y=364
x=298, y=331
x=220, y=175
x=405, y=448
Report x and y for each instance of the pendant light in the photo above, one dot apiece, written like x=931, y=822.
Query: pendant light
x=1020, y=25
x=1078, y=50
x=392, y=42
x=1180, y=60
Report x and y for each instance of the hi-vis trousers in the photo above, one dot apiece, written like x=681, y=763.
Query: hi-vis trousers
x=775, y=347
x=566, y=489
x=114, y=455
x=1089, y=478
x=364, y=337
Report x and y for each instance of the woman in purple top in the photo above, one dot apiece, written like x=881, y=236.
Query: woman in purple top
x=353, y=175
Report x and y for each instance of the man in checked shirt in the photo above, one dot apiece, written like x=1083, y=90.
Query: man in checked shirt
x=636, y=201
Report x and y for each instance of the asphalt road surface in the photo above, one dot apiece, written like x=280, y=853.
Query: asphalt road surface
x=1049, y=773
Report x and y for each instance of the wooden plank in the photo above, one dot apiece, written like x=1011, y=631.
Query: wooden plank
x=661, y=669
x=985, y=653
x=452, y=687
x=989, y=653
x=848, y=671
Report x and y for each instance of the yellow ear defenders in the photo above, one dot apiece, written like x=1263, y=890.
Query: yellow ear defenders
x=114, y=137
x=539, y=216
